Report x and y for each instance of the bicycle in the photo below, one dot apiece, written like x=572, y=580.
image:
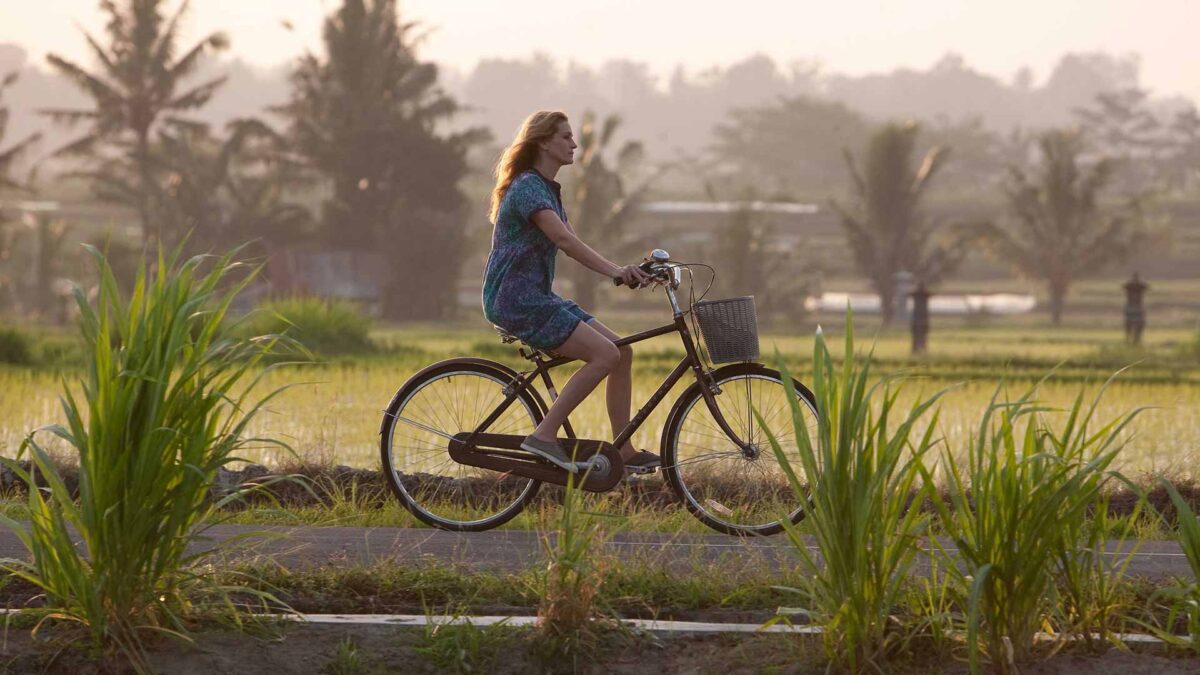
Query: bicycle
x=452, y=456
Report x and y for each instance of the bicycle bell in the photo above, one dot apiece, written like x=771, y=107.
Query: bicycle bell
x=661, y=257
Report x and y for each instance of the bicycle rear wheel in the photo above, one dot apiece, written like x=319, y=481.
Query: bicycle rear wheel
x=442, y=400
x=732, y=486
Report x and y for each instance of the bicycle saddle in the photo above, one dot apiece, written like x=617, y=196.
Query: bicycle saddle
x=507, y=337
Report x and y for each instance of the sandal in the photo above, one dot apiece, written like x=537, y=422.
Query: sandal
x=643, y=462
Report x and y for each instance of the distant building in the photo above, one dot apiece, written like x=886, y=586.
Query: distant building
x=693, y=208
x=357, y=276
x=691, y=225
x=974, y=303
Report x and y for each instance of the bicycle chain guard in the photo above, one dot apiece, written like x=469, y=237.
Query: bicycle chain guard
x=502, y=452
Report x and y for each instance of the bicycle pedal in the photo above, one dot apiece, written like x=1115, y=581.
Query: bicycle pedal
x=640, y=470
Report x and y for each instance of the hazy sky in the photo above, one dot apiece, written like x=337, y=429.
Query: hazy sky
x=847, y=36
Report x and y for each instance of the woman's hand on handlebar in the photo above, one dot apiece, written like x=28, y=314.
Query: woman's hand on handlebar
x=632, y=276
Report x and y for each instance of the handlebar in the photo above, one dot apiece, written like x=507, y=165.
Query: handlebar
x=647, y=266
x=661, y=269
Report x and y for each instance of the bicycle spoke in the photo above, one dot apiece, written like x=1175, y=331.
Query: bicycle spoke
x=432, y=412
x=705, y=458
x=741, y=488
x=441, y=406
x=425, y=428
x=717, y=436
x=439, y=489
x=704, y=420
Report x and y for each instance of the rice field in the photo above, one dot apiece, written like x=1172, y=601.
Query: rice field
x=331, y=412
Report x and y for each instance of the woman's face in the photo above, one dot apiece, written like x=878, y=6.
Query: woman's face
x=561, y=146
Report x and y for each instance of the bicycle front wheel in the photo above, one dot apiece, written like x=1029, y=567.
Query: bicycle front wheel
x=436, y=403
x=736, y=485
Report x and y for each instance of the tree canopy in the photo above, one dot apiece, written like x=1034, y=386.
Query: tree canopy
x=137, y=88
x=369, y=116
x=792, y=148
x=885, y=227
x=1062, y=230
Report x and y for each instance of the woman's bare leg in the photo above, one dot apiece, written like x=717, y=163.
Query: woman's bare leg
x=600, y=357
x=618, y=391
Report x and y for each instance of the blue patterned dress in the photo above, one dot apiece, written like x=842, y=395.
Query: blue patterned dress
x=520, y=268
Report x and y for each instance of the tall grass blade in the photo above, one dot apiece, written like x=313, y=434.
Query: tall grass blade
x=859, y=472
x=163, y=406
x=1184, y=598
x=569, y=614
x=1016, y=511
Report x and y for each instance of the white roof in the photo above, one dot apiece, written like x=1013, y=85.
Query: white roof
x=728, y=207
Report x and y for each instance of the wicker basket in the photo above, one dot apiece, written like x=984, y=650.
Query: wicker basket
x=730, y=329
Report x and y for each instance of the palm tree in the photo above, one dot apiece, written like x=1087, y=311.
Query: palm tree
x=368, y=116
x=601, y=203
x=258, y=174
x=1061, y=230
x=135, y=91
x=886, y=230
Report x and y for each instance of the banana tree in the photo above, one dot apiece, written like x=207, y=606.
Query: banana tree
x=226, y=190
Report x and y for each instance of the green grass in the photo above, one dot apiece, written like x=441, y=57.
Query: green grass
x=332, y=412
x=467, y=648
x=671, y=519
x=735, y=587
x=326, y=327
x=162, y=405
x=574, y=573
x=1182, y=601
x=859, y=469
x=1020, y=496
x=645, y=585
x=16, y=346
x=625, y=515
x=350, y=660
x=331, y=416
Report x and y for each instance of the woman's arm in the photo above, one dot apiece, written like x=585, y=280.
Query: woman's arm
x=565, y=238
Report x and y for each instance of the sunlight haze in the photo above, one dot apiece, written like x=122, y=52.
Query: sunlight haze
x=854, y=37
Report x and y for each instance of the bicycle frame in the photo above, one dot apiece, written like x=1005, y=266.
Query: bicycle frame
x=690, y=360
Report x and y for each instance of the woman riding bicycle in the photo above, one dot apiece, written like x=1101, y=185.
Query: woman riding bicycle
x=530, y=226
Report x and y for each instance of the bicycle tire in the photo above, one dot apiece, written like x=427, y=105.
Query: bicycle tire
x=499, y=375
x=676, y=470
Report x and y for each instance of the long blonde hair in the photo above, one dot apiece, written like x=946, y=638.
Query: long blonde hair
x=520, y=155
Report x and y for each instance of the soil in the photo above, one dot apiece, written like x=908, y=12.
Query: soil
x=385, y=649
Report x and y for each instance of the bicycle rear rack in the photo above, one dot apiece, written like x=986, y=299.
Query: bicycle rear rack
x=502, y=452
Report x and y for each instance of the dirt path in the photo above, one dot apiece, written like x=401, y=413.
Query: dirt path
x=310, y=649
